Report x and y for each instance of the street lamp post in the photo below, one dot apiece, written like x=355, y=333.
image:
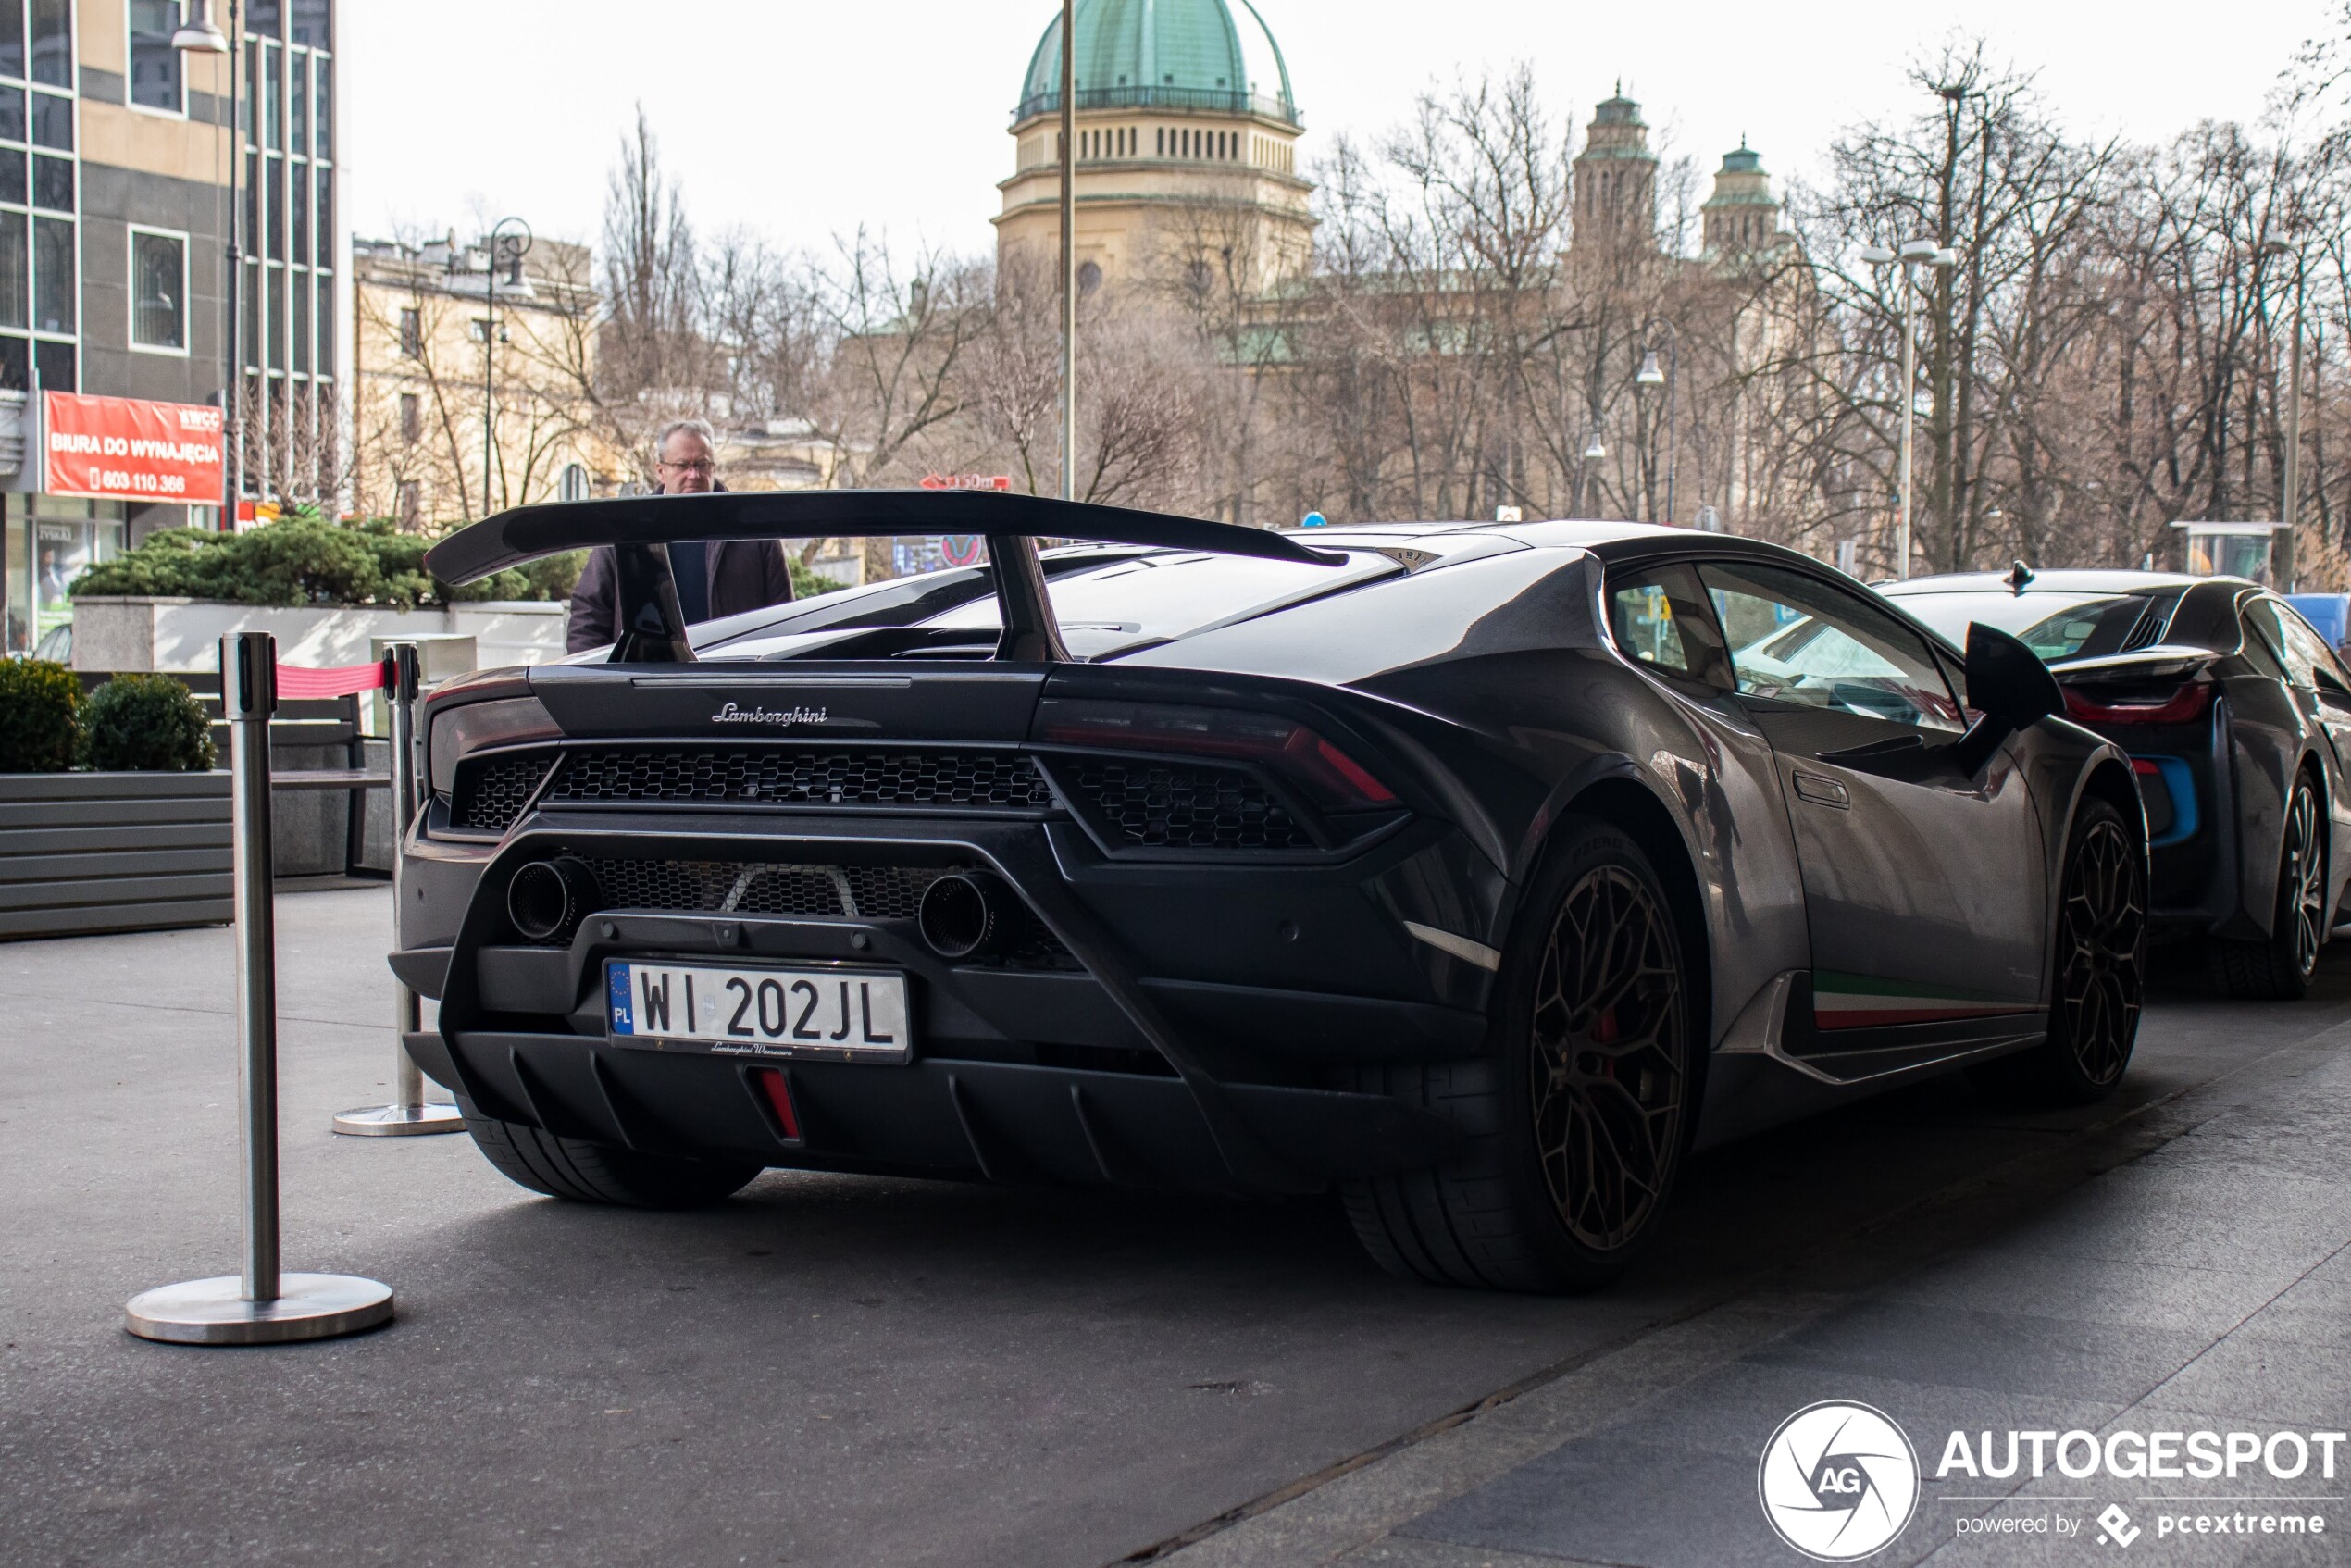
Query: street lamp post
x=2290, y=509
x=1069, y=249
x=1594, y=450
x=509, y=248
x=1913, y=252
x=203, y=36
x=1669, y=377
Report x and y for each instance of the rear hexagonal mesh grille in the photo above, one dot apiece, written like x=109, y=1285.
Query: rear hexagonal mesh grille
x=926, y=778
x=877, y=893
x=1184, y=806
x=491, y=791
x=870, y=892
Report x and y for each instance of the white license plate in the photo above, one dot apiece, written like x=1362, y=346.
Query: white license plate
x=837, y=1015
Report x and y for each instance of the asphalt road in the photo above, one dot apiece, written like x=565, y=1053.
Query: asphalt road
x=828, y=1370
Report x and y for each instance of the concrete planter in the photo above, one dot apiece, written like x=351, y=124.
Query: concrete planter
x=182, y=636
x=112, y=851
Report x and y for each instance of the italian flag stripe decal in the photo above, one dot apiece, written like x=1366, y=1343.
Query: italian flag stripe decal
x=1860, y=1002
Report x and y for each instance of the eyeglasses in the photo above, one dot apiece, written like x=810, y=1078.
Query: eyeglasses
x=703, y=466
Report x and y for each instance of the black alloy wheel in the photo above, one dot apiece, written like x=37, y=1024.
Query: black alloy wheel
x=1607, y=1067
x=2278, y=968
x=2302, y=874
x=2102, y=948
x=2100, y=963
x=1575, y=1120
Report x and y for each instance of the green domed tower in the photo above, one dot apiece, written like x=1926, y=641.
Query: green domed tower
x=1742, y=216
x=1187, y=146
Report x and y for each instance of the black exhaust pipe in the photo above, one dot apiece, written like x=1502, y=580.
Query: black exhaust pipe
x=971, y=914
x=548, y=898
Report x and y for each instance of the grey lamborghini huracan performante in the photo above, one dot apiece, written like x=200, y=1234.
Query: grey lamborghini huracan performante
x=1475, y=873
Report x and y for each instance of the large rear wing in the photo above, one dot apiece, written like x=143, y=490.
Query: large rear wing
x=638, y=529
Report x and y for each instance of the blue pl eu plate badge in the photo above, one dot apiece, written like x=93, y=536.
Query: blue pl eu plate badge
x=617, y=983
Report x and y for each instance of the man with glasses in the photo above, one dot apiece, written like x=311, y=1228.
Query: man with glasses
x=714, y=580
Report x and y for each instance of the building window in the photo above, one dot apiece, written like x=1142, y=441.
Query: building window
x=15, y=277
x=323, y=107
x=53, y=183
x=159, y=291
x=1089, y=278
x=53, y=276
x=412, y=503
x=311, y=21
x=298, y=81
x=573, y=486
x=299, y=283
x=326, y=325
x=154, y=63
x=53, y=363
x=412, y=418
x=53, y=121
x=12, y=40
x=53, y=42
x=273, y=98
x=412, y=333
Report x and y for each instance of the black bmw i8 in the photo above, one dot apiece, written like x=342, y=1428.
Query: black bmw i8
x=1478, y=873
x=2237, y=717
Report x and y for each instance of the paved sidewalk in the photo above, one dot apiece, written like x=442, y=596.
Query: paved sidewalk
x=854, y=1371
x=2202, y=1280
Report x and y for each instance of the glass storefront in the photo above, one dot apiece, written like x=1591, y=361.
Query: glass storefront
x=51, y=541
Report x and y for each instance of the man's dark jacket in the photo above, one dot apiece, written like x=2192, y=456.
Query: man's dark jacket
x=744, y=574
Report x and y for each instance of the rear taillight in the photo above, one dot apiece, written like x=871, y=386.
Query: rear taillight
x=1333, y=779
x=2176, y=706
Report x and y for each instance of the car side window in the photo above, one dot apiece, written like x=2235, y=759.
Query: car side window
x=2308, y=661
x=1660, y=619
x=1794, y=638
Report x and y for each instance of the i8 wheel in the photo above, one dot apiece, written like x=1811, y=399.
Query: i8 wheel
x=1577, y=1117
x=2101, y=965
x=2278, y=968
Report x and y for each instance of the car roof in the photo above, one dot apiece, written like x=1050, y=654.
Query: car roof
x=2059, y=580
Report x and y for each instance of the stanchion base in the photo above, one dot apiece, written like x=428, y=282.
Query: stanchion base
x=399, y=1121
x=212, y=1312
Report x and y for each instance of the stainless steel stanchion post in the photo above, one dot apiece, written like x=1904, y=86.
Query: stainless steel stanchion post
x=262, y=1305
x=409, y=1112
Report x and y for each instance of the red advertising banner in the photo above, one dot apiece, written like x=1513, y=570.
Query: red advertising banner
x=128, y=449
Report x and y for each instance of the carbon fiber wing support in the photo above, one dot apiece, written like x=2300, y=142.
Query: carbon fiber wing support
x=638, y=528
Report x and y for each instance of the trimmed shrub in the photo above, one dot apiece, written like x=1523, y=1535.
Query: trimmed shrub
x=301, y=560
x=806, y=584
x=147, y=724
x=37, y=704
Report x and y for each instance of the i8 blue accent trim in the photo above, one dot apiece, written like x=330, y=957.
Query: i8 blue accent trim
x=2182, y=784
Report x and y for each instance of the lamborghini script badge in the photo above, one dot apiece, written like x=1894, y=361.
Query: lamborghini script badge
x=731, y=714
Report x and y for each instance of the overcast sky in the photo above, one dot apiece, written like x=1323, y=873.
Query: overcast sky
x=805, y=119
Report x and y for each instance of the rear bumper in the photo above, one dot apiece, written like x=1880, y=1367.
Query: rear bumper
x=1119, y=1065
x=935, y=1117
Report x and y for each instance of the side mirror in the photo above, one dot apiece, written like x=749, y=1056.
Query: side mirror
x=2007, y=680
x=2009, y=686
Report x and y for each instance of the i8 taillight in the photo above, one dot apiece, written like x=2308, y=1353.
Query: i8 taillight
x=1327, y=776
x=2177, y=706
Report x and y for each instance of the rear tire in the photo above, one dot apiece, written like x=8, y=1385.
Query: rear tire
x=2278, y=968
x=597, y=1173
x=1577, y=1119
x=2101, y=971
